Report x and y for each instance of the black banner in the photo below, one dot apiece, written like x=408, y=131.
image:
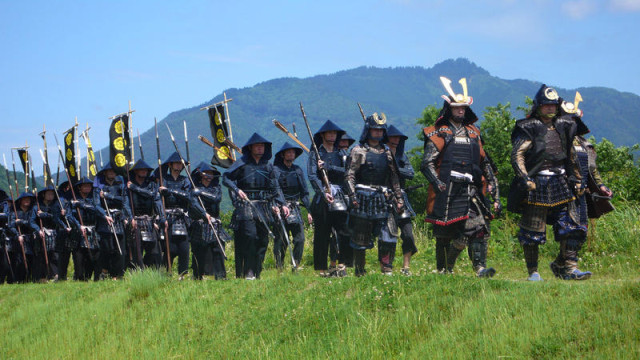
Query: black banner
x=24, y=159
x=219, y=131
x=92, y=169
x=70, y=154
x=119, y=141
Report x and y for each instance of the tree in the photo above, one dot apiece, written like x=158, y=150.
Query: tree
x=618, y=169
x=496, y=131
x=418, y=197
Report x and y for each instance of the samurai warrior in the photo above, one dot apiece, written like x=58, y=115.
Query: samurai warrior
x=373, y=187
x=455, y=164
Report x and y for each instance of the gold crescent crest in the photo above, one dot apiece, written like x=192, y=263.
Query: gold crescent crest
x=551, y=94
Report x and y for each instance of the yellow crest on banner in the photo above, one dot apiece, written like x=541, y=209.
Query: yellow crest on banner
x=120, y=160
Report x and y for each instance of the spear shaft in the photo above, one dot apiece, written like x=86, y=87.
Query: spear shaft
x=15, y=212
x=161, y=176
x=193, y=186
x=44, y=244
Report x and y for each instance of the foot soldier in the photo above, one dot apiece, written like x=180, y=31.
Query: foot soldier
x=23, y=227
x=372, y=183
x=86, y=256
x=403, y=220
x=329, y=210
x=544, y=162
x=256, y=196
x=454, y=163
x=5, y=260
x=51, y=216
x=64, y=243
x=345, y=142
x=565, y=266
x=176, y=191
x=294, y=189
x=110, y=189
x=204, y=239
x=148, y=216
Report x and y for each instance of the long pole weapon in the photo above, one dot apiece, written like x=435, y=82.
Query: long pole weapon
x=133, y=214
x=44, y=244
x=6, y=252
x=186, y=144
x=161, y=176
x=323, y=172
x=55, y=189
x=73, y=194
x=286, y=239
x=15, y=212
x=140, y=145
x=85, y=136
x=282, y=128
x=193, y=185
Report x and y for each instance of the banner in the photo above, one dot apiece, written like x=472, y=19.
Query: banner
x=119, y=144
x=219, y=131
x=70, y=154
x=92, y=169
x=24, y=159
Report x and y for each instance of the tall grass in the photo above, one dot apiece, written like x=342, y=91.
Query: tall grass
x=298, y=315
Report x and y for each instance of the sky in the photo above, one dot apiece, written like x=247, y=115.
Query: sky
x=87, y=59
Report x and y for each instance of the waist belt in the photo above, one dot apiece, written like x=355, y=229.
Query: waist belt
x=258, y=194
x=551, y=172
x=380, y=188
x=461, y=176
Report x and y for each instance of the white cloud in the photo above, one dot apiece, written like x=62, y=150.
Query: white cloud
x=625, y=5
x=579, y=9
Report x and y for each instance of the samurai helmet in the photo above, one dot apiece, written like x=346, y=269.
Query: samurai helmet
x=456, y=99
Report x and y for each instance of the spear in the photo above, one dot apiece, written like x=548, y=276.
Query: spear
x=73, y=194
x=230, y=144
x=15, y=176
x=193, y=186
x=140, y=144
x=44, y=244
x=55, y=189
x=186, y=144
x=161, y=175
x=15, y=212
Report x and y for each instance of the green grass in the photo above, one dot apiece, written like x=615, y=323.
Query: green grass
x=286, y=315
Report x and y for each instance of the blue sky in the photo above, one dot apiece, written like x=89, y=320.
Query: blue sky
x=62, y=59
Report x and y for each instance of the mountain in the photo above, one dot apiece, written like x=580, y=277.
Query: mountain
x=402, y=93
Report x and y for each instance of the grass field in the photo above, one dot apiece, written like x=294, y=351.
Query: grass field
x=299, y=315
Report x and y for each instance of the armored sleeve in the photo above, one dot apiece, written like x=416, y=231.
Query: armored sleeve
x=312, y=173
x=428, y=165
x=405, y=170
x=157, y=202
x=520, y=147
x=355, y=160
x=490, y=176
x=196, y=211
x=229, y=180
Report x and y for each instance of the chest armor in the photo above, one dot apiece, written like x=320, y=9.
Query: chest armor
x=170, y=200
x=143, y=205
x=253, y=177
x=461, y=154
x=290, y=183
x=48, y=223
x=88, y=216
x=554, y=154
x=117, y=189
x=583, y=160
x=375, y=170
x=334, y=158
